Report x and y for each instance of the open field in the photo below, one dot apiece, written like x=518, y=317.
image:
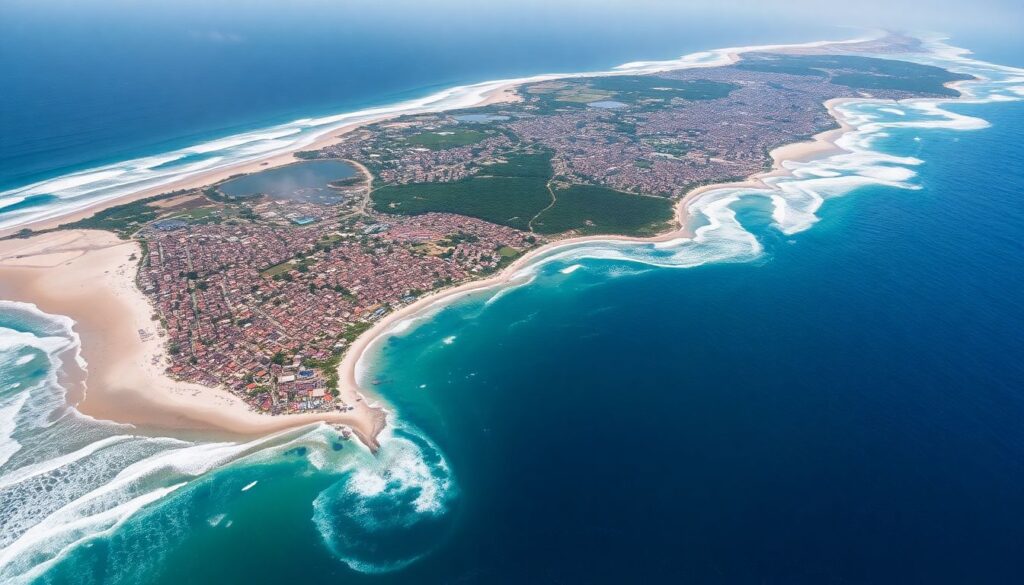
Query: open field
x=856, y=72
x=599, y=210
x=508, y=193
x=442, y=140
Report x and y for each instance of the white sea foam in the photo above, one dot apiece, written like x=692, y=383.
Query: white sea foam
x=407, y=486
x=8, y=415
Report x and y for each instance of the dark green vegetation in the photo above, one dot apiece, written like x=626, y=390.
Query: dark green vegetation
x=865, y=73
x=514, y=192
x=442, y=139
x=508, y=193
x=599, y=210
x=633, y=88
x=128, y=218
x=636, y=90
x=123, y=220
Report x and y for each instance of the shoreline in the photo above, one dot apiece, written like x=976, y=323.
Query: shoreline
x=819, y=146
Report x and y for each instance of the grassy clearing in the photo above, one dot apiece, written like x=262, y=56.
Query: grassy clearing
x=599, y=210
x=280, y=270
x=442, y=140
x=865, y=73
x=632, y=88
x=508, y=193
x=508, y=252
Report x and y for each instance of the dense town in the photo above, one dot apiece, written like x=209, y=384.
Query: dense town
x=265, y=310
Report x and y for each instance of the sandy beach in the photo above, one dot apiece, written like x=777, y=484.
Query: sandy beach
x=90, y=277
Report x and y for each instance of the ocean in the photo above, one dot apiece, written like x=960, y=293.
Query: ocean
x=823, y=386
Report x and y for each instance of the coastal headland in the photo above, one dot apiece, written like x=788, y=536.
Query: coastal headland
x=133, y=322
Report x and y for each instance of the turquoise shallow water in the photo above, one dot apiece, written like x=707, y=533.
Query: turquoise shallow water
x=800, y=394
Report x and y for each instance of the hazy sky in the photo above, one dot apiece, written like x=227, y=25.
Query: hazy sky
x=995, y=16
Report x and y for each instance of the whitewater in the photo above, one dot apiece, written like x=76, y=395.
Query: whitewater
x=68, y=481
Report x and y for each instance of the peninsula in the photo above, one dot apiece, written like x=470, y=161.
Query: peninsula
x=213, y=306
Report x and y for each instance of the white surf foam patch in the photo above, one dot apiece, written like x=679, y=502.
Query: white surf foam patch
x=405, y=490
x=18, y=348
x=571, y=269
x=90, y=527
x=449, y=340
x=8, y=415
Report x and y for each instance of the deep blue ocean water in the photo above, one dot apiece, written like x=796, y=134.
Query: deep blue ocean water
x=845, y=408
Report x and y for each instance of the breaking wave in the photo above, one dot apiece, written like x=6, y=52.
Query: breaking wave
x=389, y=511
x=68, y=481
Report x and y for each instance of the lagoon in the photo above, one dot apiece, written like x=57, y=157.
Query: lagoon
x=304, y=181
